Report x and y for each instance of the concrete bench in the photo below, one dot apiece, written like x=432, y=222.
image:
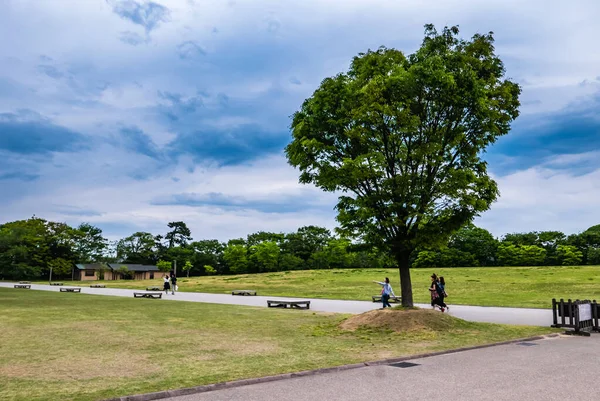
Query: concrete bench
x=377, y=298
x=291, y=304
x=97, y=286
x=147, y=295
x=24, y=282
x=243, y=292
x=154, y=289
x=71, y=289
x=26, y=286
x=56, y=284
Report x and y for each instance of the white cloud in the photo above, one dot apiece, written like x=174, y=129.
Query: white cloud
x=101, y=83
x=546, y=198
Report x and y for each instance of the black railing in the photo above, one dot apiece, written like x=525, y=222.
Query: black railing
x=581, y=316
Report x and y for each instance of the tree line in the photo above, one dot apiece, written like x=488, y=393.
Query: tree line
x=29, y=248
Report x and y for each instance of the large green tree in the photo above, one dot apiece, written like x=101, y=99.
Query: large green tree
x=180, y=234
x=139, y=247
x=400, y=139
x=88, y=243
x=476, y=241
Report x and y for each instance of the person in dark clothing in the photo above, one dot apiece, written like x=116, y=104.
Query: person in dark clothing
x=173, y=284
x=443, y=295
x=437, y=297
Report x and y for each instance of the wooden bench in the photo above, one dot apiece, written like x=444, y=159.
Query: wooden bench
x=26, y=286
x=243, y=292
x=56, y=284
x=291, y=304
x=97, y=286
x=377, y=298
x=71, y=289
x=24, y=282
x=147, y=294
x=154, y=289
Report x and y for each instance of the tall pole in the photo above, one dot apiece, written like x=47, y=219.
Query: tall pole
x=50, y=279
x=175, y=270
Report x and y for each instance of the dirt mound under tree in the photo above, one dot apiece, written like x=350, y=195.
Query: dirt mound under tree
x=401, y=320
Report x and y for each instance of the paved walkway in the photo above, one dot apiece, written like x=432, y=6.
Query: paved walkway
x=558, y=369
x=517, y=316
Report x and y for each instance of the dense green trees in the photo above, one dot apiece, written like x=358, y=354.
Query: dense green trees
x=29, y=248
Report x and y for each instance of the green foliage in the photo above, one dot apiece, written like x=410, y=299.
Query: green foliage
x=593, y=256
x=88, y=243
x=569, y=255
x=446, y=257
x=402, y=136
x=125, y=272
x=60, y=266
x=475, y=242
x=138, y=248
x=209, y=270
x=520, y=255
x=264, y=256
x=164, y=266
x=290, y=262
x=236, y=258
x=179, y=235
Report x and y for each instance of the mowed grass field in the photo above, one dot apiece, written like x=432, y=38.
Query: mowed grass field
x=72, y=346
x=491, y=286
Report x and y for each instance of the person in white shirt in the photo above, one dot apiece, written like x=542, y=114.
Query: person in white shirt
x=386, y=292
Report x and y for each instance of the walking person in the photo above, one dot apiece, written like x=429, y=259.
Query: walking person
x=443, y=294
x=436, y=293
x=166, y=284
x=173, y=283
x=386, y=292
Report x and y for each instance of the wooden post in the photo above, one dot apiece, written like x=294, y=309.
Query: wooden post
x=577, y=316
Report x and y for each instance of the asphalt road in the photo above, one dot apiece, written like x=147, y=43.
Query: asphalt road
x=557, y=369
x=517, y=316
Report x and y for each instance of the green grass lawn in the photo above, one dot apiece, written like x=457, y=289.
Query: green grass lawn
x=83, y=347
x=492, y=286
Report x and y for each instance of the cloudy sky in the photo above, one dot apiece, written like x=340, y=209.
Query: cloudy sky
x=128, y=114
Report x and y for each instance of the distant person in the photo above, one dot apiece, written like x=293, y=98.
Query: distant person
x=437, y=298
x=443, y=295
x=166, y=285
x=386, y=292
x=173, y=284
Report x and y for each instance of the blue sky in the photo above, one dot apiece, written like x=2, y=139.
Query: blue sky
x=130, y=114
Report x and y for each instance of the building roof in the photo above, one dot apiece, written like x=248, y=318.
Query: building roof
x=133, y=267
x=91, y=266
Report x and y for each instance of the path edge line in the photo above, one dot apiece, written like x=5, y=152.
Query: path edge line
x=265, y=379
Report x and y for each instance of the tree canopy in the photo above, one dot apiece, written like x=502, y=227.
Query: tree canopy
x=401, y=137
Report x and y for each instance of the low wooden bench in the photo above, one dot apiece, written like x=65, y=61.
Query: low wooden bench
x=24, y=282
x=243, y=292
x=377, y=298
x=291, y=304
x=97, y=286
x=147, y=294
x=26, y=286
x=56, y=284
x=70, y=289
x=154, y=289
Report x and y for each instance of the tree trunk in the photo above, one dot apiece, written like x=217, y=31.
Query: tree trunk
x=403, y=259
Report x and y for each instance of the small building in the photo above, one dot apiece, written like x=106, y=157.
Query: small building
x=113, y=271
x=138, y=272
x=91, y=271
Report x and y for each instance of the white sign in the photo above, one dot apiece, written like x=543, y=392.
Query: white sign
x=585, y=312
